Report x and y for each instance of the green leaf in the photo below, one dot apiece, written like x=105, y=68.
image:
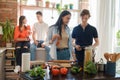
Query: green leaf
x=8, y=31
x=37, y=71
x=118, y=34
x=90, y=68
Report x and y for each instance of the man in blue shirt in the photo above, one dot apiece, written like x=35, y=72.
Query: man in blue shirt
x=83, y=36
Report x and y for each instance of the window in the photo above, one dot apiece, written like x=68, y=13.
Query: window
x=50, y=15
x=117, y=19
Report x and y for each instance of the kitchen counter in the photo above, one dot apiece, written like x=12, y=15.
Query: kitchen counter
x=69, y=76
x=2, y=63
x=2, y=50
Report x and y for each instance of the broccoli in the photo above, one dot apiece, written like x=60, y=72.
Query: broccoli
x=90, y=68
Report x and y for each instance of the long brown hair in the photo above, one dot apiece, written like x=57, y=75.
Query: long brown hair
x=21, y=22
x=60, y=21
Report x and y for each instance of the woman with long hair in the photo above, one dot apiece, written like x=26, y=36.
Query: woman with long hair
x=60, y=39
x=21, y=37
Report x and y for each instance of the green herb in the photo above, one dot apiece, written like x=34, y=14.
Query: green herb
x=75, y=70
x=8, y=31
x=37, y=72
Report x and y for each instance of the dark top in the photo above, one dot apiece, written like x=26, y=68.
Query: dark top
x=84, y=37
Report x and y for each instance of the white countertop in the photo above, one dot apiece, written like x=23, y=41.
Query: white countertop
x=2, y=50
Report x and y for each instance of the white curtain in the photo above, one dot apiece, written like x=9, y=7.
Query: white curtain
x=105, y=26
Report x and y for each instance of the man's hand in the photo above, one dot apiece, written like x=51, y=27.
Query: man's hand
x=78, y=48
x=43, y=45
x=36, y=43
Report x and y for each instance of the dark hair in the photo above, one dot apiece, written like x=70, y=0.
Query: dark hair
x=39, y=13
x=85, y=12
x=60, y=21
x=21, y=22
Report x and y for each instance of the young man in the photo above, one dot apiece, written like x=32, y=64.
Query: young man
x=39, y=35
x=83, y=36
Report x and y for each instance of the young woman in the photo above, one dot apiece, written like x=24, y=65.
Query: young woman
x=21, y=37
x=60, y=39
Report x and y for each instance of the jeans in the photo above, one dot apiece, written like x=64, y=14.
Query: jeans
x=63, y=54
x=33, y=48
x=20, y=50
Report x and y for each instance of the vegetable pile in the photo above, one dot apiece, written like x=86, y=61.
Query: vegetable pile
x=37, y=71
x=56, y=70
x=75, y=69
x=90, y=68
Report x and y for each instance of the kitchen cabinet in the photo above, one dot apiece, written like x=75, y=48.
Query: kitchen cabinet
x=9, y=60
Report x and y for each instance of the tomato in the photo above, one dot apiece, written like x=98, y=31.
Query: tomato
x=63, y=71
x=55, y=72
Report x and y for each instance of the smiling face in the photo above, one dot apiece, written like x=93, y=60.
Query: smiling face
x=39, y=17
x=84, y=18
x=85, y=15
x=25, y=21
x=66, y=19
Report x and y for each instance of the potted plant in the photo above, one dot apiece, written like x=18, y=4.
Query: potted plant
x=66, y=7
x=59, y=8
x=71, y=6
x=8, y=31
x=118, y=38
x=24, y=2
x=39, y=3
x=47, y=4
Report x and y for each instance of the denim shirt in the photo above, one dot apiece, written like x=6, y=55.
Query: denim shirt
x=53, y=30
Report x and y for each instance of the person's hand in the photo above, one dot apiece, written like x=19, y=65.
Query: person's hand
x=78, y=48
x=36, y=43
x=43, y=45
x=74, y=56
x=26, y=39
x=50, y=42
x=55, y=36
x=58, y=42
x=29, y=32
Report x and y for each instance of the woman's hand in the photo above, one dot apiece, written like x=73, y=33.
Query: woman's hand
x=29, y=32
x=55, y=36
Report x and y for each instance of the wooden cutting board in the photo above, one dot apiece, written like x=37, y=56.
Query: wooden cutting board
x=60, y=64
x=61, y=61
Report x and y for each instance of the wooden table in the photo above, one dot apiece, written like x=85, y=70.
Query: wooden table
x=80, y=76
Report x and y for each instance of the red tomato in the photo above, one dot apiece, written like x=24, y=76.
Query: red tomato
x=55, y=72
x=63, y=71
